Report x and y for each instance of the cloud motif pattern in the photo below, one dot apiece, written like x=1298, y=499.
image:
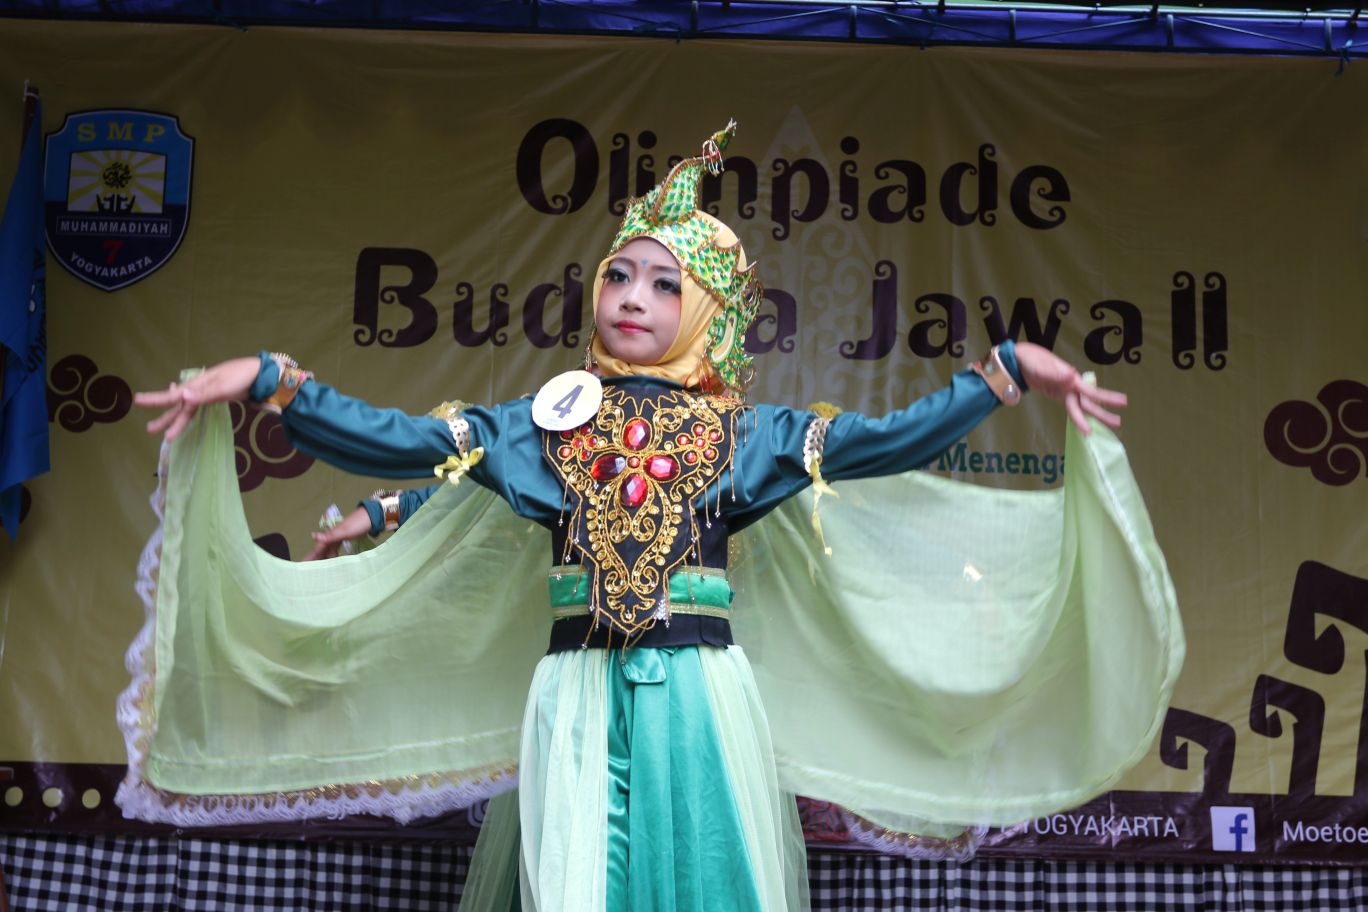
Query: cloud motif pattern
x=261, y=448
x=1328, y=436
x=77, y=398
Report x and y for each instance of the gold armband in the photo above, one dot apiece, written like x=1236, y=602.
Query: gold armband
x=389, y=505
x=450, y=412
x=998, y=378
x=291, y=379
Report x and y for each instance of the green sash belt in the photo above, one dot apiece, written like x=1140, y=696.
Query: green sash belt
x=702, y=590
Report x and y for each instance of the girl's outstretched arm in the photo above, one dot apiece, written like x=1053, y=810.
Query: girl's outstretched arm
x=340, y=430
x=778, y=457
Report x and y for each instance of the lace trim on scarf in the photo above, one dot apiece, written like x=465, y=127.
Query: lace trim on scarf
x=960, y=848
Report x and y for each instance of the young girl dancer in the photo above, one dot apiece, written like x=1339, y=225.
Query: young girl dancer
x=646, y=774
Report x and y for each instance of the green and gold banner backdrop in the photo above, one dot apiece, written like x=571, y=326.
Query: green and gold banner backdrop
x=416, y=218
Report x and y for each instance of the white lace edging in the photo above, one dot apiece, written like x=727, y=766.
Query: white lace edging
x=909, y=845
x=142, y=801
x=403, y=801
x=139, y=660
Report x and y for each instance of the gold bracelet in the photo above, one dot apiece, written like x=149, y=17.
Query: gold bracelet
x=287, y=386
x=389, y=505
x=998, y=378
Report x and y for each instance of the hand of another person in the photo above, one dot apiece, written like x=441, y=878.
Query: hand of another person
x=356, y=524
x=225, y=382
x=1047, y=373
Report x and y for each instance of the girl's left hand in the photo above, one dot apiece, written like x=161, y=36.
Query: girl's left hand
x=1047, y=373
x=327, y=543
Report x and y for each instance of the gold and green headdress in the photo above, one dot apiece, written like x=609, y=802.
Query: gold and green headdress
x=707, y=251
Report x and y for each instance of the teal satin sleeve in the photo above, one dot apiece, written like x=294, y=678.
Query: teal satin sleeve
x=861, y=447
x=768, y=462
x=410, y=501
x=354, y=435
x=358, y=437
x=515, y=469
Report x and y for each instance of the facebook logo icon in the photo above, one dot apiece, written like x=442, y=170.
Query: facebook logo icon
x=1232, y=829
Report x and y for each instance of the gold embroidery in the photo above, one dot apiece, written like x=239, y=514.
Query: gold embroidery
x=637, y=468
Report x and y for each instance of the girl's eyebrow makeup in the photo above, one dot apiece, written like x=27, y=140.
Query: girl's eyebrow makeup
x=659, y=267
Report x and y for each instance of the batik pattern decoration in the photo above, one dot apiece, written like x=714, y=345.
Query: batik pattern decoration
x=631, y=477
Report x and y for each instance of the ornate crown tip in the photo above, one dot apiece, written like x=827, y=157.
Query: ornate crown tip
x=726, y=133
x=716, y=145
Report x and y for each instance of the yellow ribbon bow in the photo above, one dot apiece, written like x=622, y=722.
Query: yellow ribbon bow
x=456, y=466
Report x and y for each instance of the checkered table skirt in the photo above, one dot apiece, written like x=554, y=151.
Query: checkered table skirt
x=123, y=874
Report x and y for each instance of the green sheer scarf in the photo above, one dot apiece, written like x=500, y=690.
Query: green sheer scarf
x=968, y=656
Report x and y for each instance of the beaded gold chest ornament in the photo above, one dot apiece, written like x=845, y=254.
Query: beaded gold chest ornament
x=631, y=477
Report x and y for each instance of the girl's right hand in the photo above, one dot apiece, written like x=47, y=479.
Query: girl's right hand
x=225, y=382
x=1048, y=374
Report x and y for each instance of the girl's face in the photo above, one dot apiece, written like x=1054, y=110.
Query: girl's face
x=638, y=308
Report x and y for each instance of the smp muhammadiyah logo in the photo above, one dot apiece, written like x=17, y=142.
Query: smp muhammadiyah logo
x=116, y=192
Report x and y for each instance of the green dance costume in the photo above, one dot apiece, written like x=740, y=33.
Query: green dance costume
x=966, y=656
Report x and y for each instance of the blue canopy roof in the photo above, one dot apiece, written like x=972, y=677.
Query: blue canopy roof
x=1318, y=30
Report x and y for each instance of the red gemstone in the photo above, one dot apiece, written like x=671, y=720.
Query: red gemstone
x=634, y=462
x=699, y=441
x=662, y=468
x=691, y=457
x=698, y=428
x=606, y=468
x=633, y=491
x=682, y=440
x=565, y=452
x=710, y=453
x=566, y=435
x=636, y=434
x=714, y=436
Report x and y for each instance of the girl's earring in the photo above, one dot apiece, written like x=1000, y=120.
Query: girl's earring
x=590, y=362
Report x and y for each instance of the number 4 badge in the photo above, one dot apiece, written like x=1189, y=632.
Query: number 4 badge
x=567, y=401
